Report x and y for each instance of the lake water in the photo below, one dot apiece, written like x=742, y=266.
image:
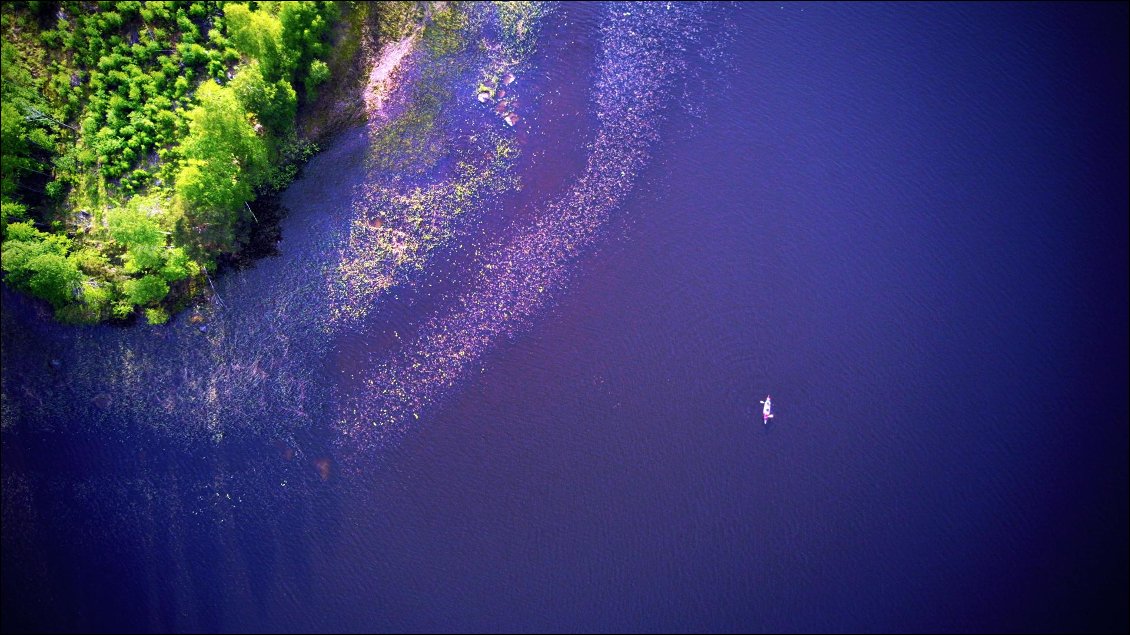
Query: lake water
x=905, y=222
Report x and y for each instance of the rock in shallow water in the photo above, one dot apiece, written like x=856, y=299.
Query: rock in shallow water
x=102, y=400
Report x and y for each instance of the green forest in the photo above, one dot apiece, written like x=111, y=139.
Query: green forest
x=134, y=137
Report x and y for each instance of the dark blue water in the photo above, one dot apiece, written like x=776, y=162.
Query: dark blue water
x=905, y=222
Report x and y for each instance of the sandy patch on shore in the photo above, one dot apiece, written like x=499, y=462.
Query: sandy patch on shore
x=380, y=77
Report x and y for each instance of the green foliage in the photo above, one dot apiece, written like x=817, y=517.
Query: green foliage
x=93, y=262
x=224, y=159
x=258, y=34
x=219, y=131
x=121, y=309
x=319, y=73
x=211, y=185
x=116, y=104
x=10, y=212
x=117, y=76
x=285, y=43
x=12, y=145
x=145, y=290
x=24, y=244
x=292, y=152
x=98, y=299
x=304, y=27
x=156, y=315
x=274, y=105
x=178, y=265
x=26, y=232
x=23, y=116
x=131, y=226
x=54, y=278
x=37, y=262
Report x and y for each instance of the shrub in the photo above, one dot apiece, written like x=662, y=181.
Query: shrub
x=145, y=290
x=156, y=315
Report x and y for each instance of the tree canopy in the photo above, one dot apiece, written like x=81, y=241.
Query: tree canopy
x=224, y=157
x=134, y=135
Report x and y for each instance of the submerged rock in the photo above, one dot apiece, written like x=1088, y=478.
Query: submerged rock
x=102, y=401
x=511, y=118
x=485, y=93
x=508, y=79
x=323, y=467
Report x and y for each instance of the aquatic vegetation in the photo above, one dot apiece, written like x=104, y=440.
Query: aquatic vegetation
x=398, y=19
x=412, y=205
x=395, y=229
x=640, y=65
x=410, y=137
x=520, y=22
x=445, y=33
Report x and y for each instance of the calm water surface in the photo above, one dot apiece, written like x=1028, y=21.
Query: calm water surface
x=905, y=222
